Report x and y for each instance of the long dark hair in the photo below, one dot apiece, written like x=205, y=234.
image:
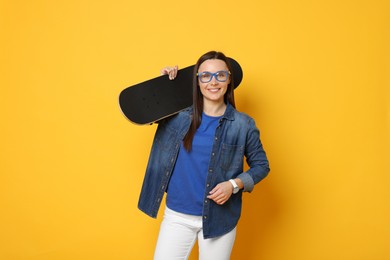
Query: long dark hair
x=197, y=96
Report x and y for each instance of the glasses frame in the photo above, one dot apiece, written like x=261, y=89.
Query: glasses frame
x=213, y=75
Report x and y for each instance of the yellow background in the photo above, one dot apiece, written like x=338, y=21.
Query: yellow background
x=316, y=80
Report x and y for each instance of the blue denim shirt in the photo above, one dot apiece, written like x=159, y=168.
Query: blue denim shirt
x=236, y=136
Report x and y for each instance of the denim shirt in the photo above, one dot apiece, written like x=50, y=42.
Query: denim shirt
x=235, y=137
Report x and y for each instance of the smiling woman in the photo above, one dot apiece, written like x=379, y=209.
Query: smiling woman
x=204, y=184
x=214, y=79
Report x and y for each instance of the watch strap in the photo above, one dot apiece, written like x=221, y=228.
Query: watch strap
x=235, y=186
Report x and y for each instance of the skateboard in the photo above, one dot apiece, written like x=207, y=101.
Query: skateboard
x=160, y=97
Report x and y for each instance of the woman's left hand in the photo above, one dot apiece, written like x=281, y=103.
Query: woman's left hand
x=221, y=193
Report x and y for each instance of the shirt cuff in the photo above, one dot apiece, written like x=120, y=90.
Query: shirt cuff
x=247, y=181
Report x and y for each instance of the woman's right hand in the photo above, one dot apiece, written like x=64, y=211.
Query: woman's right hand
x=170, y=71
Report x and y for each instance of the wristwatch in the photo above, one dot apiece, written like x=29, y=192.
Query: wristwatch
x=235, y=186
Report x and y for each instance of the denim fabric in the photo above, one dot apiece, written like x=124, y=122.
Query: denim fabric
x=236, y=136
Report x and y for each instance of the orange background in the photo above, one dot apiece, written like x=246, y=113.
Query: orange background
x=316, y=80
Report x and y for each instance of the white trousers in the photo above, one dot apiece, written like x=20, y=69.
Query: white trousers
x=178, y=233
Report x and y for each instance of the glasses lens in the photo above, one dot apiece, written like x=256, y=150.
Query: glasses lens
x=205, y=77
x=222, y=76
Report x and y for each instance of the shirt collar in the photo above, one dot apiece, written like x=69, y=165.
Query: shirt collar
x=229, y=112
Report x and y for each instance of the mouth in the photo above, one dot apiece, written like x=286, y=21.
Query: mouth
x=214, y=90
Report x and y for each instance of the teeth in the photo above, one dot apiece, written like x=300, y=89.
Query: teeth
x=214, y=90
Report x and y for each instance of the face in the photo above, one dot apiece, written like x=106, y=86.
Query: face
x=214, y=90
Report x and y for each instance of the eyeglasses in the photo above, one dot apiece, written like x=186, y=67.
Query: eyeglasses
x=220, y=76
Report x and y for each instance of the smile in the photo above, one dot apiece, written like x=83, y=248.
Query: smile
x=214, y=90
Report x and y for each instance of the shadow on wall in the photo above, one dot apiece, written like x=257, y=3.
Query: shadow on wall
x=261, y=212
x=259, y=218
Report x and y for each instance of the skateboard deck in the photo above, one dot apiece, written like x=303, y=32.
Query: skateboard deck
x=160, y=97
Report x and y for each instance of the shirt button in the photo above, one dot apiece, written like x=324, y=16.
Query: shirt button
x=207, y=185
x=205, y=217
x=205, y=201
x=211, y=170
x=216, y=138
x=213, y=154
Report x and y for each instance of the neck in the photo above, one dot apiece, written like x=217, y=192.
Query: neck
x=214, y=109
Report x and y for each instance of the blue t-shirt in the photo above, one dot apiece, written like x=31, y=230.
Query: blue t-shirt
x=188, y=181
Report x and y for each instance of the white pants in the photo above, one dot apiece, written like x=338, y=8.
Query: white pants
x=178, y=233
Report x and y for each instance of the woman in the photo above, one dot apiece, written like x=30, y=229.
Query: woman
x=197, y=158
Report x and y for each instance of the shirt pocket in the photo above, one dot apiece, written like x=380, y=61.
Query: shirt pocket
x=232, y=157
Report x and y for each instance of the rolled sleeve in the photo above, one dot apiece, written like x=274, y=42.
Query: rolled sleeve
x=256, y=159
x=247, y=180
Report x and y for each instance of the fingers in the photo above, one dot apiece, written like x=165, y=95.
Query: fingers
x=174, y=72
x=219, y=198
x=170, y=71
x=221, y=193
